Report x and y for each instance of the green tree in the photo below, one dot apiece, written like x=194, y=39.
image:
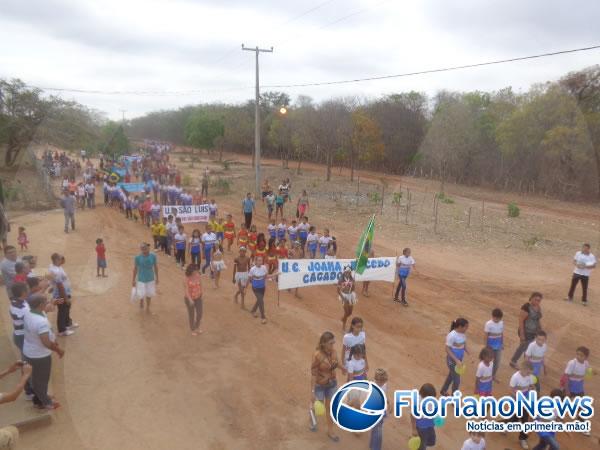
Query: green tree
x=202, y=128
x=114, y=141
x=367, y=144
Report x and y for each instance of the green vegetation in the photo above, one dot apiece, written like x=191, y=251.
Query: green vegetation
x=513, y=210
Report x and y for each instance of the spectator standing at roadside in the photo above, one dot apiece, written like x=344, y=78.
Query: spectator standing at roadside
x=584, y=262
x=68, y=205
x=248, y=207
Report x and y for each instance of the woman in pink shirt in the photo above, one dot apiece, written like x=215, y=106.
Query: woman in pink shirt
x=193, y=297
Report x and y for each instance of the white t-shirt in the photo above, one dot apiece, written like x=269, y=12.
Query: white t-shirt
x=454, y=339
x=90, y=188
x=35, y=325
x=209, y=238
x=312, y=237
x=172, y=228
x=484, y=371
x=576, y=368
x=180, y=237
x=324, y=241
x=406, y=261
x=59, y=276
x=586, y=260
x=356, y=366
x=535, y=353
x=272, y=229
x=494, y=327
x=470, y=445
x=350, y=340
x=521, y=383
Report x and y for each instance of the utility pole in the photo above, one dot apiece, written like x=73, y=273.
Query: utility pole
x=123, y=111
x=257, y=117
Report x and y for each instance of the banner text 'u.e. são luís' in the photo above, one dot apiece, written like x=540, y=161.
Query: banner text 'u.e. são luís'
x=295, y=273
x=188, y=214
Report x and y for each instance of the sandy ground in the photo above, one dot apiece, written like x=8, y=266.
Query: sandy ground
x=133, y=381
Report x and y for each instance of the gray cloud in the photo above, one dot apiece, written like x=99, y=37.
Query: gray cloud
x=517, y=26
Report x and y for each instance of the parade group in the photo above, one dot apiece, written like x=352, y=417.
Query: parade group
x=201, y=251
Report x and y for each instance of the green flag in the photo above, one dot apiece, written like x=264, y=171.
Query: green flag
x=364, y=246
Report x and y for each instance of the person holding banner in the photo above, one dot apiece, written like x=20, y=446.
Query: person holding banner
x=346, y=292
x=312, y=242
x=258, y=276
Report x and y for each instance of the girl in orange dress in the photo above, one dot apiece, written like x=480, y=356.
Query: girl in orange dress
x=243, y=236
x=272, y=255
x=229, y=234
x=252, y=238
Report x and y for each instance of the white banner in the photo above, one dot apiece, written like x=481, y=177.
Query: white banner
x=313, y=272
x=187, y=214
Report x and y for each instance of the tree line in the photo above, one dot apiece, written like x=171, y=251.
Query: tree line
x=545, y=140
x=28, y=116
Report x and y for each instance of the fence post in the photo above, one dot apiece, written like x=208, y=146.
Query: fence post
x=382, y=197
x=436, y=215
x=408, y=204
x=482, y=213
x=469, y=223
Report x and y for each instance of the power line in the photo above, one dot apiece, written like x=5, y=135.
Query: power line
x=322, y=83
x=444, y=69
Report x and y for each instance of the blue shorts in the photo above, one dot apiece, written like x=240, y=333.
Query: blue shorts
x=325, y=391
x=101, y=263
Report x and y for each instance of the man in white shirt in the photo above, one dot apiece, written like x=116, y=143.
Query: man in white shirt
x=584, y=261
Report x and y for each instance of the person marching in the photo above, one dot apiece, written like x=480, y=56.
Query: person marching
x=584, y=261
x=180, y=240
x=484, y=375
x=530, y=322
x=302, y=205
x=248, y=207
x=193, y=297
x=261, y=247
x=312, y=241
x=241, y=266
x=100, y=258
x=456, y=347
x=405, y=264
x=145, y=275
x=195, y=248
x=535, y=354
x=272, y=256
x=346, y=293
x=323, y=377
x=303, y=228
x=282, y=229
x=229, y=231
x=272, y=229
x=258, y=276
x=217, y=265
x=292, y=233
x=209, y=240
x=494, y=331
x=242, y=240
x=252, y=238
x=324, y=243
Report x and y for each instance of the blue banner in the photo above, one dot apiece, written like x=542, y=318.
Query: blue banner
x=132, y=187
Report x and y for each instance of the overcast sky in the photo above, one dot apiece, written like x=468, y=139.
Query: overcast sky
x=192, y=45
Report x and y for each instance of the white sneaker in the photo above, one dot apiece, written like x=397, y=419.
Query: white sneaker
x=72, y=326
x=66, y=333
x=524, y=444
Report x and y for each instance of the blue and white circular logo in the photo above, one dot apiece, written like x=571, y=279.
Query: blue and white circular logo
x=358, y=406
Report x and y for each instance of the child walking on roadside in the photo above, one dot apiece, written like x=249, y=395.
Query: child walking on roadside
x=484, y=375
x=424, y=427
x=100, y=258
x=456, y=347
x=22, y=239
x=522, y=381
x=193, y=298
x=494, y=330
x=376, y=441
x=475, y=442
x=535, y=354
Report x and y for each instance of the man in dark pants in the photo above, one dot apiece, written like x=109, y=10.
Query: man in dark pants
x=584, y=261
x=248, y=207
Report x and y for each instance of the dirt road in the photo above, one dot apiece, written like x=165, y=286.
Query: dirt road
x=133, y=381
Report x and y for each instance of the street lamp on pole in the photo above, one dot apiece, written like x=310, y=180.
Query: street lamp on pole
x=257, y=117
